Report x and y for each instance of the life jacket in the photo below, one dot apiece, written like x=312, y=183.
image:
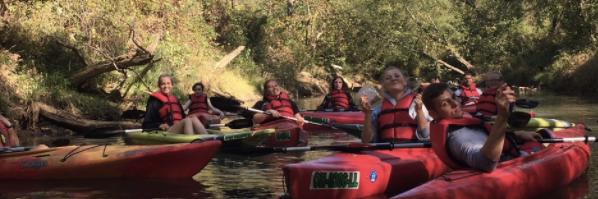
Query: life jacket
x=487, y=104
x=198, y=104
x=282, y=104
x=170, y=112
x=439, y=131
x=339, y=98
x=394, y=122
x=4, y=136
x=468, y=92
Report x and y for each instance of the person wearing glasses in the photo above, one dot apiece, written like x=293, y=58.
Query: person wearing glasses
x=200, y=103
x=468, y=93
x=487, y=102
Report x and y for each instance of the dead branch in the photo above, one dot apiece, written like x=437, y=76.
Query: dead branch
x=76, y=123
x=443, y=62
x=74, y=49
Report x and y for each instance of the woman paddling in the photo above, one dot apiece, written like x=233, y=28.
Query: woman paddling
x=275, y=104
x=9, y=138
x=339, y=98
x=400, y=117
x=164, y=111
x=200, y=103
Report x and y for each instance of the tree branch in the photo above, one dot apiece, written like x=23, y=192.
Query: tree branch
x=443, y=63
x=74, y=49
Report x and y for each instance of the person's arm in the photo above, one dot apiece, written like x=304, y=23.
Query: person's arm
x=466, y=144
x=187, y=105
x=493, y=146
x=215, y=110
x=324, y=104
x=152, y=117
x=8, y=145
x=352, y=104
x=367, y=134
x=259, y=118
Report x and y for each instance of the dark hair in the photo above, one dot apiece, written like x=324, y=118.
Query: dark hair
x=266, y=87
x=345, y=87
x=198, y=84
x=432, y=92
x=164, y=75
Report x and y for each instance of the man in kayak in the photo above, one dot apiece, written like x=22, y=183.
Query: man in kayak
x=339, y=97
x=275, y=104
x=472, y=143
x=487, y=103
x=401, y=116
x=468, y=93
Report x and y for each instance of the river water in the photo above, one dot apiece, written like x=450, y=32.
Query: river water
x=232, y=176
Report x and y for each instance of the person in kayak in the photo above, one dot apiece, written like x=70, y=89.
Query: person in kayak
x=467, y=91
x=275, y=104
x=400, y=117
x=164, y=111
x=453, y=83
x=466, y=142
x=487, y=103
x=339, y=98
x=9, y=138
x=199, y=102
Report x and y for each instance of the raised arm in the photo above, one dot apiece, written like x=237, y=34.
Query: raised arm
x=494, y=144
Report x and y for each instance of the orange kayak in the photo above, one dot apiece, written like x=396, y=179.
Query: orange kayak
x=107, y=161
x=526, y=177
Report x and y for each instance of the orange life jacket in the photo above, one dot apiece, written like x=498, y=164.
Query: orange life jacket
x=394, y=122
x=439, y=133
x=339, y=98
x=281, y=104
x=199, y=104
x=487, y=104
x=4, y=136
x=468, y=92
x=170, y=112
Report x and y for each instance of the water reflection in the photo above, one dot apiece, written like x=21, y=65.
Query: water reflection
x=233, y=176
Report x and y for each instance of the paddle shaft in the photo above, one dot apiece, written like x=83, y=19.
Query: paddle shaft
x=292, y=118
x=360, y=147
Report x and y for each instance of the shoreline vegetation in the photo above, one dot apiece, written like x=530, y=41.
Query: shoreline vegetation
x=79, y=64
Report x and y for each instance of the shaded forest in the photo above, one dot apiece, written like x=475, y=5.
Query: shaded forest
x=93, y=59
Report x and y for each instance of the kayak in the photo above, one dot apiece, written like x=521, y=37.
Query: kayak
x=107, y=161
x=534, y=124
x=368, y=173
x=288, y=134
x=331, y=118
x=205, y=118
x=163, y=137
x=526, y=177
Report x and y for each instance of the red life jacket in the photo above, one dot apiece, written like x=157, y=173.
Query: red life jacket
x=487, y=104
x=439, y=133
x=4, y=136
x=394, y=122
x=468, y=92
x=170, y=112
x=339, y=98
x=282, y=104
x=198, y=104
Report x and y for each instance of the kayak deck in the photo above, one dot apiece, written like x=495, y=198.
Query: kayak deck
x=106, y=161
x=288, y=134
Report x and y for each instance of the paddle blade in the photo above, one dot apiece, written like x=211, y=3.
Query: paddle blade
x=60, y=142
x=525, y=103
x=225, y=104
x=240, y=123
x=519, y=119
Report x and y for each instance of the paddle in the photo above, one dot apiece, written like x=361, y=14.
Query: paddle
x=351, y=148
x=525, y=103
x=56, y=143
x=234, y=106
x=330, y=110
x=517, y=119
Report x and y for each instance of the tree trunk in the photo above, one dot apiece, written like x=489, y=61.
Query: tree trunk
x=79, y=125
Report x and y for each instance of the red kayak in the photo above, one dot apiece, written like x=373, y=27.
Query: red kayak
x=288, y=134
x=330, y=118
x=346, y=175
x=526, y=177
x=107, y=161
x=205, y=118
